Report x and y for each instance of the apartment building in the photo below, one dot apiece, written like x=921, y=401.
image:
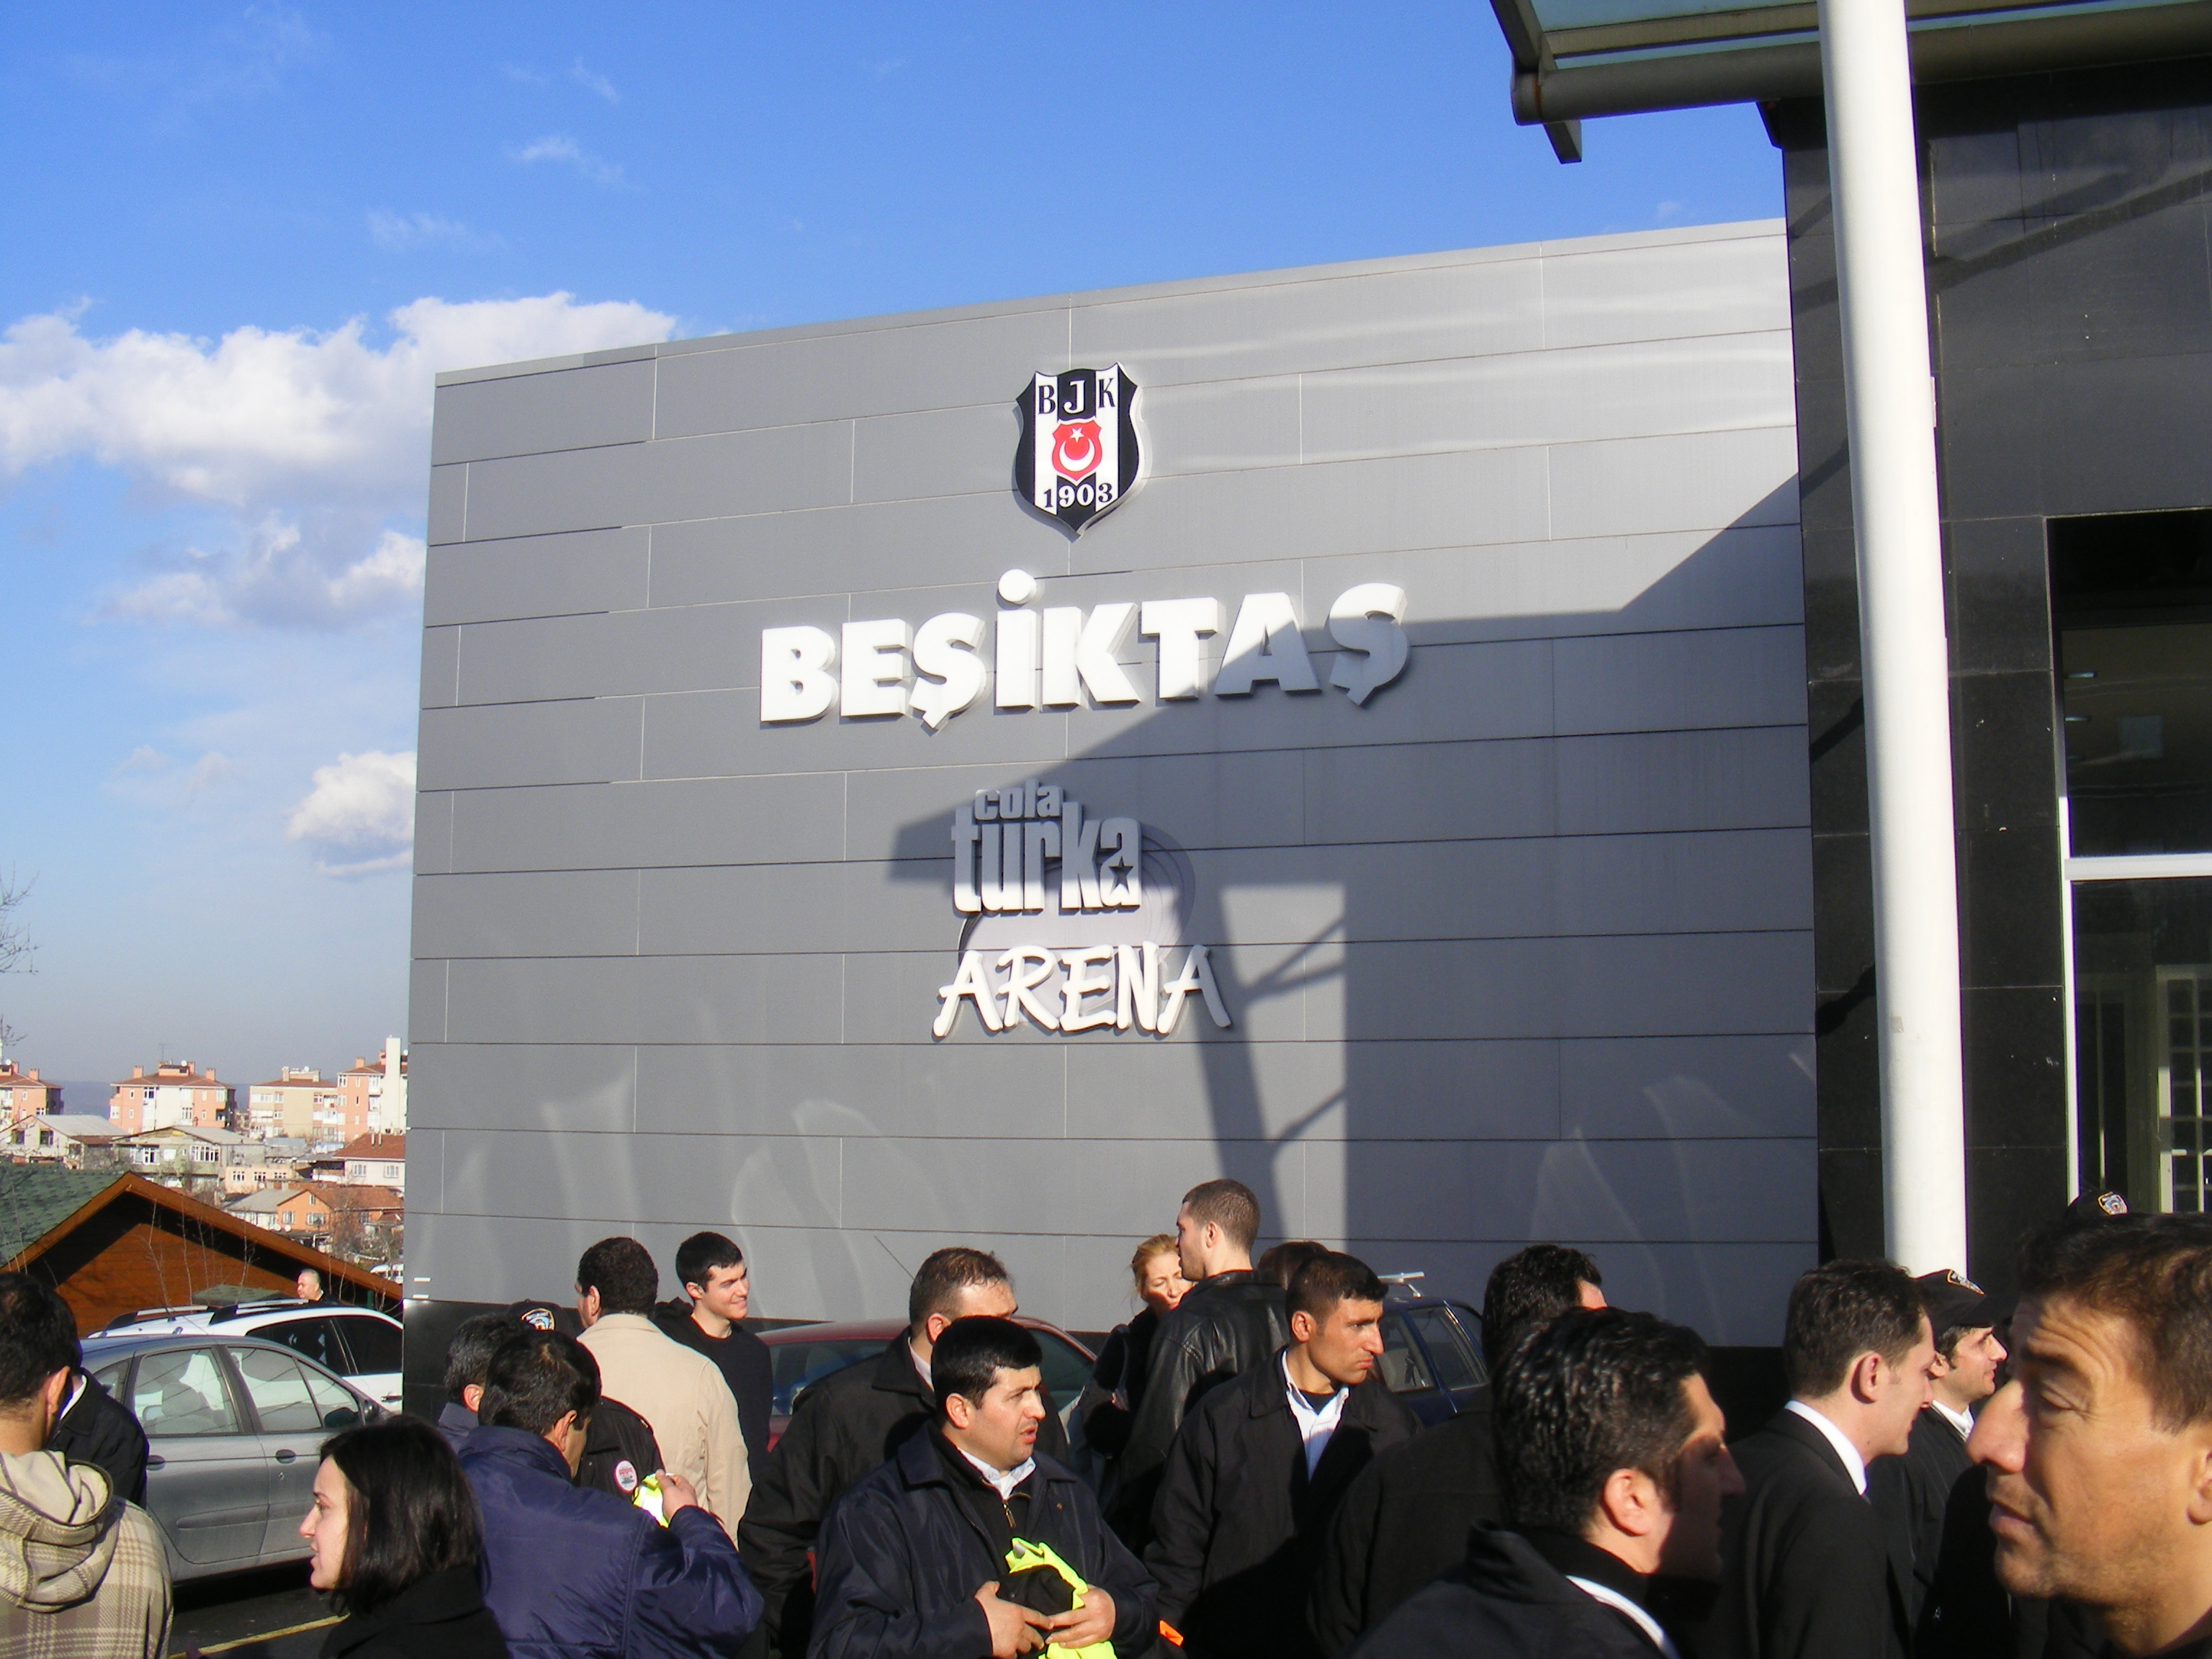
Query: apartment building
x=373, y=1094
x=23, y=1095
x=175, y=1093
x=299, y=1102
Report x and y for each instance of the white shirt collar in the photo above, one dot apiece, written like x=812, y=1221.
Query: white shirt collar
x=1854, y=1465
x=1962, y=1421
x=1001, y=1481
x=922, y=1366
x=1315, y=1422
x=1613, y=1598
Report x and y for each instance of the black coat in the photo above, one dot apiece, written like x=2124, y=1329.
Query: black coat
x=1506, y=1601
x=1808, y=1569
x=1404, y=1522
x=902, y=1555
x=745, y=1365
x=846, y=1427
x=100, y=1429
x=1911, y=1493
x=1225, y=1325
x=440, y=1617
x=1237, y=1529
x=1117, y=1383
x=619, y=1451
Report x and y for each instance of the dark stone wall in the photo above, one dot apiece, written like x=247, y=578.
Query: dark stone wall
x=2070, y=305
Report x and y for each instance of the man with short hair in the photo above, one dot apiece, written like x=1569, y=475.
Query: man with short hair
x=572, y=1573
x=468, y=1357
x=1811, y=1573
x=1615, y=1472
x=1258, y=1466
x=931, y=1554
x=717, y=1290
x=2098, y=1450
x=850, y=1422
x=1403, y=1521
x=83, y=1571
x=308, y=1286
x=1229, y=1321
x=1912, y=1493
x=676, y=1391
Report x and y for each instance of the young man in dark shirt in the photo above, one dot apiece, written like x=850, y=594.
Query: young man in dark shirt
x=711, y=1270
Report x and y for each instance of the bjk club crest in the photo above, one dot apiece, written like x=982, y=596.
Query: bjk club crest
x=1078, y=457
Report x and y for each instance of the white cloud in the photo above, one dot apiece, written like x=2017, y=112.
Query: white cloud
x=400, y=232
x=558, y=146
x=593, y=83
x=310, y=445
x=360, y=816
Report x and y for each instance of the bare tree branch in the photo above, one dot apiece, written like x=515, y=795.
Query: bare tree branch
x=16, y=950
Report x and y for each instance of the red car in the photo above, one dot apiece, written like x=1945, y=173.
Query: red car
x=804, y=1354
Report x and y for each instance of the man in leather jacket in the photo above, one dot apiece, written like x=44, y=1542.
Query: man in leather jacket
x=1228, y=1321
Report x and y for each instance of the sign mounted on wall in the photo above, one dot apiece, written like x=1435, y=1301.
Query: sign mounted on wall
x=1078, y=456
x=1070, y=922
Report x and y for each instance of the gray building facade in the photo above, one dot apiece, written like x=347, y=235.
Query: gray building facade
x=1515, y=943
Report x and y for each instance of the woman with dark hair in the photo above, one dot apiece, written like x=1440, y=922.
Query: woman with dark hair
x=394, y=1539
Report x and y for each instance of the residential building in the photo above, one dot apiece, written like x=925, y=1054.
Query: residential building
x=374, y=1160
x=374, y=1094
x=176, y=1093
x=184, y=1156
x=60, y=1137
x=363, y=1220
x=297, y=1101
x=23, y=1095
x=240, y=1179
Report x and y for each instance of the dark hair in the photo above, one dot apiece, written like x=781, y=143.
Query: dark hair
x=1532, y=1284
x=943, y=1275
x=1841, y=1309
x=1282, y=1262
x=621, y=1270
x=409, y=1512
x=1583, y=1393
x=535, y=1379
x=468, y=1356
x=700, y=1254
x=2154, y=1273
x=1328, y=1278
x=972, y=1351
x=1228, y=1205
x=38, y=1337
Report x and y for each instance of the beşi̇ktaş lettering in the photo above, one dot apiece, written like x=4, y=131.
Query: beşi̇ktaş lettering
x=1053, y=658
x=1002, y=840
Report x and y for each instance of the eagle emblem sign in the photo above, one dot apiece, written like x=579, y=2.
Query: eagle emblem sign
x=1077, y=456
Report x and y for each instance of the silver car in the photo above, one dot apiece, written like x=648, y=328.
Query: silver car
x=235, y=1426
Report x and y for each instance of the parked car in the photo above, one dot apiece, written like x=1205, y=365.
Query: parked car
x=1431, y=1353
x=234, y=1424
x=358, y=1344
x=804, y=1354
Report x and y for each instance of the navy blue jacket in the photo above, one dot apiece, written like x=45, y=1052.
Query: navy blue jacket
x=902, y=1557
x=571, y=1573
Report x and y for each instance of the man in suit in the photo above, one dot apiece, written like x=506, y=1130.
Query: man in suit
x=1809, y=1571
x=1911, y=1493
x=2098, y=1450
x=1259, y=1465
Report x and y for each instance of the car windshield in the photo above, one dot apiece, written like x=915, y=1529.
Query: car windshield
x=799, y=1365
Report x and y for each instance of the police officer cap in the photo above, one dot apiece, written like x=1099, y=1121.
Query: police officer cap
x=547, y=1317
x=1954, y=1302
x=2097, y=1207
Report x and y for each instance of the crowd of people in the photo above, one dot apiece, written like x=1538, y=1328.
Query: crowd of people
x=1950, y=1478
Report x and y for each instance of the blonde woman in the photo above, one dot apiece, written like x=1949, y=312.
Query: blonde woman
x=1117, y=1382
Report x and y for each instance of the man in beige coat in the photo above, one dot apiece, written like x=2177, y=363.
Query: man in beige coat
x=677, y=1389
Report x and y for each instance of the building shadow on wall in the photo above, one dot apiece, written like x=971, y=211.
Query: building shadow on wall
x=1694, y=1183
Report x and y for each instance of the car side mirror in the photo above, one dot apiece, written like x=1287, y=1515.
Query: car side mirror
x=341, y=1418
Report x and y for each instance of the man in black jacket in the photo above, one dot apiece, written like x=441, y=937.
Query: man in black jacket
x=1912, y=1493
x=1611, y=1450
x=95, y=1427
x=1228, y=1322
x=1405, y=1520
x=1258, y=1468
x=1811, y=1573
x=915, y=1560
x=850, y=1423
x=717, y=1290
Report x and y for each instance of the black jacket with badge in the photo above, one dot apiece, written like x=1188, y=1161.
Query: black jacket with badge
x=744, y=1363
x=443, y=1615
x=904, y=1553
x=1225, y=1325
x=847, y=1426
x=1404, y=1523
x=1910, y=1494
x=1808, y=1571
x=1238, y=1525
x=1510, y=1598
x=98, y=1428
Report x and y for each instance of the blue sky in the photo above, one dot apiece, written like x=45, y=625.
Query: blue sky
x=241, y=240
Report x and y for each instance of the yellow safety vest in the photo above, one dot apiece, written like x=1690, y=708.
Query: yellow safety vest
x=1024, y=1555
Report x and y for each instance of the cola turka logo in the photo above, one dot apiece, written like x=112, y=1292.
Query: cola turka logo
x=1078, y=457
